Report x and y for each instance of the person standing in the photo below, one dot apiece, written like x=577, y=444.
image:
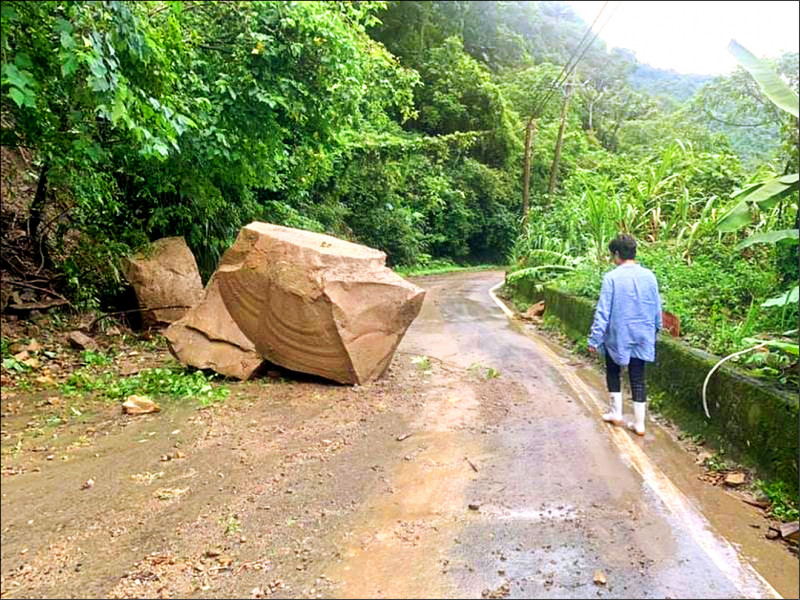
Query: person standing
x=626, y=322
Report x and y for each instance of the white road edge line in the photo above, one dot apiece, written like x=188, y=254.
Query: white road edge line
x=724, y=555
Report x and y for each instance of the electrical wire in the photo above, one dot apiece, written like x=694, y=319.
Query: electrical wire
x=568, y=69
x=555, y=81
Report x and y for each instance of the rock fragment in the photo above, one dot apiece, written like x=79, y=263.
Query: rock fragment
x=139, y=405
x=735, y=479
x=81, y=341
x=206, y=337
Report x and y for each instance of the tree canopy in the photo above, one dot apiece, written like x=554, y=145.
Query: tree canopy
x=396, y=124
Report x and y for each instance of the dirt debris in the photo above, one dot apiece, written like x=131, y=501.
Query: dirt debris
x=502, y=591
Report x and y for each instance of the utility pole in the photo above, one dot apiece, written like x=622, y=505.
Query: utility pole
x=530, y=133
x=559, y=142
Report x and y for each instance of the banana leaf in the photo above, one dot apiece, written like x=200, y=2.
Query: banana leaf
x=773, y=86
x=789, y=297
x=766, y=195
x=788, y=347
x=769, y=237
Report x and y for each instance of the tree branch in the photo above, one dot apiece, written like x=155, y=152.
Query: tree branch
x=713, y=117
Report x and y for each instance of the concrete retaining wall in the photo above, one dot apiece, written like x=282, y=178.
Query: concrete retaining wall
x=757, y=424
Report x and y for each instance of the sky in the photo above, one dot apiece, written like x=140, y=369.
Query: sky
x=692, y=36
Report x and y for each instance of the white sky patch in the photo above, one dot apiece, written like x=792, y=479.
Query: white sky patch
x=693, y=36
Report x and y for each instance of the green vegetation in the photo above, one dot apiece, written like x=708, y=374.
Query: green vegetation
x=423, y=363
x=483, y=372
x=402, y=125
x=783, y=497
x=232, y=524
x=164, y=382
x=438, y=267
x=92, y=358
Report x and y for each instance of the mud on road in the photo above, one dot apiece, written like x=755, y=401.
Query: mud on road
x=472, y=469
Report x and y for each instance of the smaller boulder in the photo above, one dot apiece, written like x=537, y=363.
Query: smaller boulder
x=165, y=274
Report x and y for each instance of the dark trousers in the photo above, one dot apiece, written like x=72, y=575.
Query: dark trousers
x=635, y=372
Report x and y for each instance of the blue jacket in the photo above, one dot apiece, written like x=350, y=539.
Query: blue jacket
x=628, y=314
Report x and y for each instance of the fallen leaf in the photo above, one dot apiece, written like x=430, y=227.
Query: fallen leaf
x=224, y=561
x=147, y=477
x=169, y=493
x=32, y=362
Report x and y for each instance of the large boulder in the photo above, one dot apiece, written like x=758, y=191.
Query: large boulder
x=165, y=274
x=208, y=338
x=314, y=303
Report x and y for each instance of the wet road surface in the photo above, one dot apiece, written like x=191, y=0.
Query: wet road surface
x=559, y=494
x=439, y=480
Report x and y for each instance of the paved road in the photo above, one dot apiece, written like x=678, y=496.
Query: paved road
x=437, y=481
x=561, y=495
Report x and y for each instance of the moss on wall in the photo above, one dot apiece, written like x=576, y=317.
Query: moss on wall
x=754, y=422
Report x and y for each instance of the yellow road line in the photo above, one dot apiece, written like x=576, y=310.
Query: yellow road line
x=727, y=559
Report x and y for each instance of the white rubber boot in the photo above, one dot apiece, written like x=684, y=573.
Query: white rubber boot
x=639, y=410
x=614, y=414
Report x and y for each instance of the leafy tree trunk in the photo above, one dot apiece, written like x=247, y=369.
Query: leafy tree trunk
x=559, y=142
x=530, y=133
x=37, y=206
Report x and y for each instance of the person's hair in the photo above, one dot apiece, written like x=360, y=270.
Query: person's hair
x=624, y=245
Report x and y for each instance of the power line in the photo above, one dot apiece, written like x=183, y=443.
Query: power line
x=554, y=83
x=547, y=97
x=568, y=69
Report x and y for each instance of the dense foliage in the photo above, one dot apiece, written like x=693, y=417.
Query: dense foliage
x=400, y=125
